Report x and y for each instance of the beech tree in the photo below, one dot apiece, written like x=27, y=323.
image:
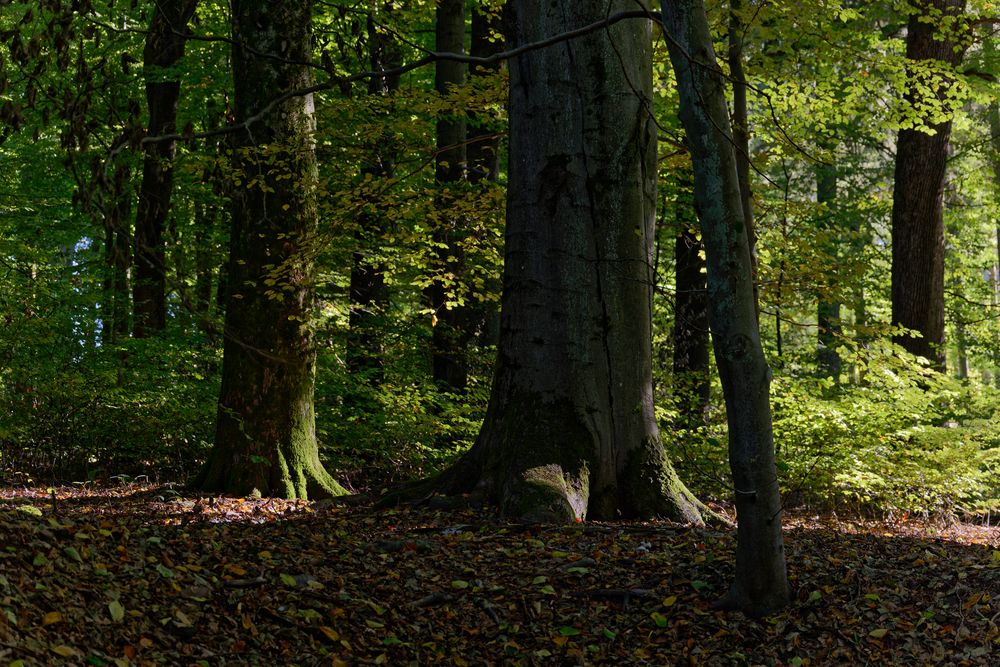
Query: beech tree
x=265, y=435
x=164, y=48
x=570, y=431
x=761, y=582
x=934, y=38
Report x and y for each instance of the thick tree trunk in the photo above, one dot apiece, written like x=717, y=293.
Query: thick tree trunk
x=164, y=47
x=917, y=205
x=368, y=290
x=691, y=373
x=451, y=323
x=265, y=434
x=828, y=310
x=761, y=582
x=570, y=430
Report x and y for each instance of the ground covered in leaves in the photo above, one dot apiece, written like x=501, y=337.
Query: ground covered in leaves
x=147, y=576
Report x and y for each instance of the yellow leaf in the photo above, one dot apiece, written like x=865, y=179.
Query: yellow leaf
x=669, y=602
x=878, y=633
x=330, y=633
x=52, y=617
x=64, y=651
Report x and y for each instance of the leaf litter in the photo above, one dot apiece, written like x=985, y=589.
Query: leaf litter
x=143, y=575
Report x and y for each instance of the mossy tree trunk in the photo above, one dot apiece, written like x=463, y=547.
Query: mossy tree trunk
x=918, y=191
x=570, y=431
x=761, y=582
x=164, y=48
x=265, y=434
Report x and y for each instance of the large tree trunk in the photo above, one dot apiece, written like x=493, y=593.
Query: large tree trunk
x=265, y=435
x=368, y=289
x=692, y=384
x=570, y=431
x=451, y=321
x=164, y=47
x=761, y=582
x=917, y=204
x=828, y=309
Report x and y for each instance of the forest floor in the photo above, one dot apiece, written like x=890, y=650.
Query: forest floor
x=137, y=575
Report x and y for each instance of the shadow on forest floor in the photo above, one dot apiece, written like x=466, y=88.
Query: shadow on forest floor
x=148, y=576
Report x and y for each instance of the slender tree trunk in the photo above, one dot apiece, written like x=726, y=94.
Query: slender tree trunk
x=691, y=343
x=741, y=131
x=117, y=256
x=570, y=430
x=483, y=157
x=828, y=310
x=164, y=48
x=761, y=582
x=483, y=143
x=368, y=290
x=203, y=266
x=265, y=435
x=917, y=208
x=451, y=322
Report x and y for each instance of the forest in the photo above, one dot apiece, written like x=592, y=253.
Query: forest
x=476, y=332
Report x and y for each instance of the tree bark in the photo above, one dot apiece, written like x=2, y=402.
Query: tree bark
x=917, y=208
x=117, y=256
x=265, y=435
x=451, y=322
x=691, y=344
x=741, y=132
x=483, y=157
x=570, y=431
x=761, y=582
x=828, y=310
x=164, y=48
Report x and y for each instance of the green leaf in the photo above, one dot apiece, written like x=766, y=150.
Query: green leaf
x=458, y=583
x=164, y=571
x=73, y=554
x=659, y=619
x=288, y=580
x=569, y=631
x=116, y=610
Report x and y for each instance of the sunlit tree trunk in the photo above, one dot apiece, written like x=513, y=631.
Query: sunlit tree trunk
x=917, y=205
x=570, y=430
x=761, y=582
x=265, y=434
x=164, y=48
